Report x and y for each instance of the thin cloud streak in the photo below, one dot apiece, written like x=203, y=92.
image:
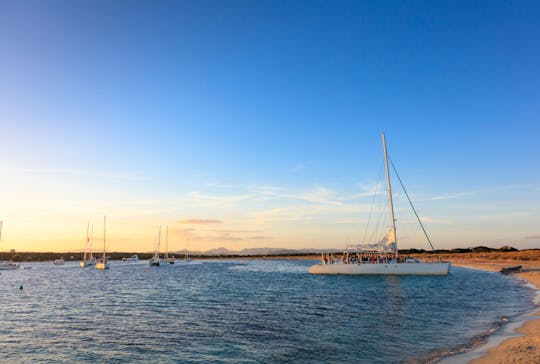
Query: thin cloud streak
x=200, y=221
x=81, y=172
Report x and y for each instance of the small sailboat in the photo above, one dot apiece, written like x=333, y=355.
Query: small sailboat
x=6, y=265
x=133, y=258
x=381, y=257
x=156, y=261
x=88, y=258
x=167, y=259
x=104, y=263
x=187, y=259
x=60, y=261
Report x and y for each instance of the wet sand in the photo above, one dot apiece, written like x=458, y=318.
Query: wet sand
x=525, y=347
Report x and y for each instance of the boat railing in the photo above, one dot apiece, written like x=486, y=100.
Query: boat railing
x=370, y=258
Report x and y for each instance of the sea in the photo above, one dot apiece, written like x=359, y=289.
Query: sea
x=246, y=311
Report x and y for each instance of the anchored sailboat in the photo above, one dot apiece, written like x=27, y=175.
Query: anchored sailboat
x=6, y=265
x=167, y=259
x=381, y=257
x=104, y=263
x=156, y=261
x=88, y=258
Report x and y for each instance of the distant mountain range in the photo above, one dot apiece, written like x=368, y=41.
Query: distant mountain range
x=257, y=251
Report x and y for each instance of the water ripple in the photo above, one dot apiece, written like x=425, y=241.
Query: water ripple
x=254, y=311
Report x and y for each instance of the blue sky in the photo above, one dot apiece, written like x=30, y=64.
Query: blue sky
x=263, y=120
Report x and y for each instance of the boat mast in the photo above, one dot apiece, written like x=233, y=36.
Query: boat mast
x=158, y=241
x=87, y=240
x=167, y=244
x=104, y=230
x=90, y=243
x=390, y=202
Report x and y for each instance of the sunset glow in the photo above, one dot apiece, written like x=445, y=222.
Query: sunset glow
x=258, y=124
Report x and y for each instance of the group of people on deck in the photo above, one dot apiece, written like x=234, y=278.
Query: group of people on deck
x=366, y=258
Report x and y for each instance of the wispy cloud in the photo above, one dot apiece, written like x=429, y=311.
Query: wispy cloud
x=505, y=216
x=431, y=220
x=457, y=195
x=453, y=196
x=299, y=167
x=321, y=195
x=259, y=237
x=200, y=221
x=368, y=189
x=206, y=200
x=81, y=172
x=532, y=237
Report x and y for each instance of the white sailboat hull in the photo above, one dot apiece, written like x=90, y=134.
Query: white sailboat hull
x=8, y=266
x=440, y=269
x=86, y=263
x=102, y=265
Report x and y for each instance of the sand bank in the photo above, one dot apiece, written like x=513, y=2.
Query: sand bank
x=524, y=344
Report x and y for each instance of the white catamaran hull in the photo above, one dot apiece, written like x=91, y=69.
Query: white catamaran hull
x=440, y=269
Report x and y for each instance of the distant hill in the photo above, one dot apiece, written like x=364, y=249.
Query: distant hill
x=255, y=252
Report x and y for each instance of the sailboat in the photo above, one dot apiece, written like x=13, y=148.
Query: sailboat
x=6, y=265
x=88, y=258
x=156, y=261
x=167, y=259
x=104, y=263
x=60, y=261
x=382, y=257
x=187, y=259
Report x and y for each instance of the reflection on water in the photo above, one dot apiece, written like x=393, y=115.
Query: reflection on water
x=242, y=311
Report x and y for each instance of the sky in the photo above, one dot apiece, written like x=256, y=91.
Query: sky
x=248, y=124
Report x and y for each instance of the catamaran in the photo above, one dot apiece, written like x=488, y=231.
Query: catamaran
x=88, y=258
x=381, y=257
x=104, y=263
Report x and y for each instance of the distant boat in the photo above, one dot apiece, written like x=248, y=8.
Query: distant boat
x=187, y=259
x=156, y=261
x=133, y=258
x=509, y=270
x=88, y=258
x=6, y=265
x=166, y=257
x=60, y=261
x=104, y=263
x=382, y=257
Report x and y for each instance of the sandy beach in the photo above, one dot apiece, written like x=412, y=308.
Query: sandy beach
x=524, y=348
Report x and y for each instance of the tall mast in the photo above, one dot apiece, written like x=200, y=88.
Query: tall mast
x=104, y=230
x=167, y=244
x=1, y=223
x=390, y=202
x=90, y=243
x=158, y=241
x=87, y=240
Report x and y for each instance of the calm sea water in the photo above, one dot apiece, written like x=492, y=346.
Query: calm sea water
x=251, y=311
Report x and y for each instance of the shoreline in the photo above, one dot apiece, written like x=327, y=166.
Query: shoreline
x=516, y=342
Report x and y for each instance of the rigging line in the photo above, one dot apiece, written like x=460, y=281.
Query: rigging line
x=410, y=202
x=380, y=216
x=377, y=188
